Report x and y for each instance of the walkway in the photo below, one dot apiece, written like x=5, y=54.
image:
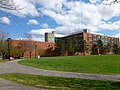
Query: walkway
x=14, y=67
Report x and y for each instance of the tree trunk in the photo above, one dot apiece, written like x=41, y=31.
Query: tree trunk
x=3, y=55
x=30, y=54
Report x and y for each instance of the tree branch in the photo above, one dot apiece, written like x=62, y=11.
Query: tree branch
x=9, y=4
x=113, y=2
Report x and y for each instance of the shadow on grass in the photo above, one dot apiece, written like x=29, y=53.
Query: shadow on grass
x=115, y=84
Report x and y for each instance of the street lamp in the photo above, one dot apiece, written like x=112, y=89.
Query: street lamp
x=35, y=50
x=8, y=40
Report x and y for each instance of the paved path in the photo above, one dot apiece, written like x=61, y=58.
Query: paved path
x=14, y=67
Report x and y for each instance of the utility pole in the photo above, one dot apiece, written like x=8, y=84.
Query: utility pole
x=8, y=40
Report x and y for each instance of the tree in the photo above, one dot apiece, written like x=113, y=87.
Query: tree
x=100, y=48
x=30, y=46
x=60, y=47
x=27, y=45
x=70, y=45
x=106, y=2
x=115, y=48
x=107, y=48
x=84, y=47
x=3, y=43
x=9, y=4
x=112, y=2
x=23, y=46
x=66, y=45
x=40, y=51
x=3, y=48
x=16, y=51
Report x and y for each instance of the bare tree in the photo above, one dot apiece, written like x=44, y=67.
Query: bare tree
x=112, y=2
x=28, y=36
x=3, y=35
x=106, y=2
x=10, y=5
x=27, y=45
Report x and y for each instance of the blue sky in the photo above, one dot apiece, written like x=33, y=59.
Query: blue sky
x=62, y=16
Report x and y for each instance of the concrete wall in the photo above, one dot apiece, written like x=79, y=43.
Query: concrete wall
x=50, y=37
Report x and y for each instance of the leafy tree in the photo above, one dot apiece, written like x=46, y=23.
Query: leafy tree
x=3, y=43
x=115, y=48
x=107, y=48
x=66, y=45
x=100, y=48
x=84, y=47
x=70, y=45
x=60, y=47
x=94, y=49
x=40, y=51
x=16, y=51
x=49, y=52
x=3, y=48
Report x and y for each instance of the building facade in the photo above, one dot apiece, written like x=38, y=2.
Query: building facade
x=90, y=40
x=32, y=46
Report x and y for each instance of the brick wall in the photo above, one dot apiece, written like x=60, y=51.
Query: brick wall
x=40, y=45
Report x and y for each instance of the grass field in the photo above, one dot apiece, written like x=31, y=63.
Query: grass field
x=3, y=60
x=102, y=64
x=58, y=83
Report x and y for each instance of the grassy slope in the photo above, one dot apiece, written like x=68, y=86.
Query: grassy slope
x=61, y=83
x=109, y=64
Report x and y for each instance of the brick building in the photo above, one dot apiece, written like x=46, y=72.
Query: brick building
x=36, y=45
x=91, y=40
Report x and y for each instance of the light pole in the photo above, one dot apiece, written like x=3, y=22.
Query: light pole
x=8, y=40
x=35, y=50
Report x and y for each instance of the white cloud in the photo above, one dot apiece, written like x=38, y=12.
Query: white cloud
x=71, y=15
x=39, y=34
x=28, y=7
x=33, y=22
x=45, y=26
x=96, y=1
x=77, y=15
x=117, y=35
x=92, y=1
x=4, y=20
x=53, y=4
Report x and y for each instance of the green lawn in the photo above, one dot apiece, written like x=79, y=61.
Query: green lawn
x=3, y=60
x=102, y=64
x=58, y=83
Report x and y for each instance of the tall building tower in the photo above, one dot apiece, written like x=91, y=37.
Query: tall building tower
x=50, y=37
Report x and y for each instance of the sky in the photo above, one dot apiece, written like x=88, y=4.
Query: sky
x=62, y=16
